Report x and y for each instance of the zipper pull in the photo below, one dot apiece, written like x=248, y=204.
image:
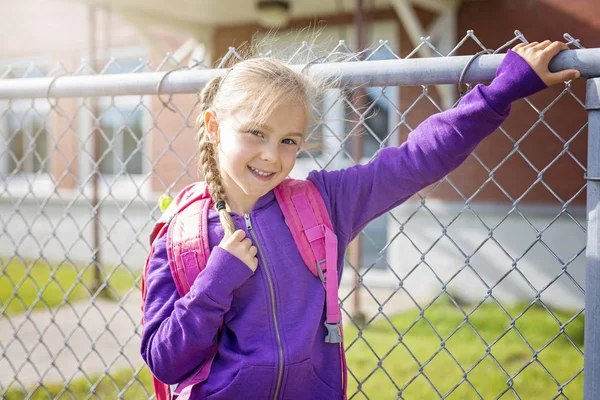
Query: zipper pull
x=248, y=223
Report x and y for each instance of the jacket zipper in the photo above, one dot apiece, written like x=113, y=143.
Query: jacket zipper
x=272, y=290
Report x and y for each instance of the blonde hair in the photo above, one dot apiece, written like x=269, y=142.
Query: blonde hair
x=258, y=84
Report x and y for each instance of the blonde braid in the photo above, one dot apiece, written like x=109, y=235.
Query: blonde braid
x=208, y=160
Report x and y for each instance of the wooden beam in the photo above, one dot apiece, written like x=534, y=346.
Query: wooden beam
x=412, y=25
x=437, y=5
x=141, y=17
x=442, y=33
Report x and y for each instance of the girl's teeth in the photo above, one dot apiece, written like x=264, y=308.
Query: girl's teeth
x=260, y=172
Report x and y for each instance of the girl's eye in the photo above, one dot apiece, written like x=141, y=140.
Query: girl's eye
x=290, y=141
x=256, y=133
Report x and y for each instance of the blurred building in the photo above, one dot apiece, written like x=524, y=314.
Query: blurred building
x=128, y=35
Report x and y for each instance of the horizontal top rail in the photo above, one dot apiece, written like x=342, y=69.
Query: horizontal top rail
x=399, y=72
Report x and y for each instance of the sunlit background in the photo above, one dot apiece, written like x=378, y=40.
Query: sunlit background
x=472, y=289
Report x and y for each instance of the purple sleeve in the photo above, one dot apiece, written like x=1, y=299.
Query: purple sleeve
x=437, y=146
x=179, y=332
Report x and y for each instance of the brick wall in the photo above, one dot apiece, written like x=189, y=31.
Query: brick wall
x=492, y=21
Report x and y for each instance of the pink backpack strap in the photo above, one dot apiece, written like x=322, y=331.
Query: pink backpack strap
x=306, y=215
x=187, y=244
x=185, y=222
x=302, y=205
x=187, y=196
x=188, y=250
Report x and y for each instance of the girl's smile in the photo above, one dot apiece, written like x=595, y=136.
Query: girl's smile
x=261, y=175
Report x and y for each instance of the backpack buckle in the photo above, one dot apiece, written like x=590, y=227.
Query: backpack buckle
x=333, y=334
x=320, y=271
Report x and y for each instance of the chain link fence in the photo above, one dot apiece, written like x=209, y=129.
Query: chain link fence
x=471, y=289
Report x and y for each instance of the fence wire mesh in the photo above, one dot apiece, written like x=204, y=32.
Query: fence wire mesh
x=445, y=297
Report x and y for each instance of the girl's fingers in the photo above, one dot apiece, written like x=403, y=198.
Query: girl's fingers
x=545, y=44
x=563, y=76
x=518, y=46
x=556, y=47
x=551, y=51
x=238, y=235
x=538, y=56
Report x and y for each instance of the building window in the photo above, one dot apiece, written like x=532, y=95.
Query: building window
x=24, y=124
x=123, y=121
x=121, y=141
x=27, y=143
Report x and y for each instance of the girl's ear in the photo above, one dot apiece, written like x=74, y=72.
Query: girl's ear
x=212, y=126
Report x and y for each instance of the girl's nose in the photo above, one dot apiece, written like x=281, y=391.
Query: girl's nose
x=269, y=153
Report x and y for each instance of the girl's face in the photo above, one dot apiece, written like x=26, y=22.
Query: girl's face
x=254, y=158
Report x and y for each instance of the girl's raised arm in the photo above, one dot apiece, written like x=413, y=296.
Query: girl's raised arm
x=438, y=145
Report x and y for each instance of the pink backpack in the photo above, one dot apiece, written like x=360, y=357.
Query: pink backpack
x=307, y=218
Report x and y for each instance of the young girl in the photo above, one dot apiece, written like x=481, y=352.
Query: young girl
x=252, y=124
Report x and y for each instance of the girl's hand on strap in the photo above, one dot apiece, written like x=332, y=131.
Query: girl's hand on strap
x=241, y=247
x=538, y=56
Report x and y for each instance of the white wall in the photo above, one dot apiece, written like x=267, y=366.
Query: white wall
x=60, y=229
x=506, y=256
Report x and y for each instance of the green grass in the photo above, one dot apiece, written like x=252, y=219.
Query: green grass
x=530, y=381
x=124, y=384
x=27, y=285
x=461, y=342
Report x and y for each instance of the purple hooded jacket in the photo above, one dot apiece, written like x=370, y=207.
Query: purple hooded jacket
x=272, y=345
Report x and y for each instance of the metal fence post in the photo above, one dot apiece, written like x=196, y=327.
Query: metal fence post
x=592, y=292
